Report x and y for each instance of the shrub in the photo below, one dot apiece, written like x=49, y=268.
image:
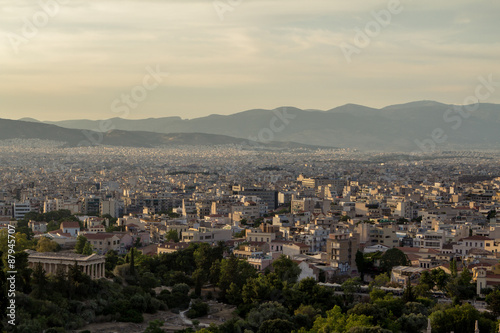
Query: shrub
x=198, y=309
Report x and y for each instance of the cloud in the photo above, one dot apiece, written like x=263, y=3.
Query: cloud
x=264, y=53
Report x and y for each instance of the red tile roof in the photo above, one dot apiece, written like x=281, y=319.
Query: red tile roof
x=99, y=235
x=70, y=224
x=476, y=237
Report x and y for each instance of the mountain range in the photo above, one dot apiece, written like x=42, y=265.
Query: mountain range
x=32, y=129
x=393, y=128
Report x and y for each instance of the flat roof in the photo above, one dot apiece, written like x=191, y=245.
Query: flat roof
x=62, y=255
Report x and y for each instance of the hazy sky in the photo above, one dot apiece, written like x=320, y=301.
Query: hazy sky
x=232, y=55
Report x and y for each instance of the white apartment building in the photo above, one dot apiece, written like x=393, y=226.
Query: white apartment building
x=20, y=209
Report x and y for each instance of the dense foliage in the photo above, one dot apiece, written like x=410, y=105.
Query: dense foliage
x=275, y=301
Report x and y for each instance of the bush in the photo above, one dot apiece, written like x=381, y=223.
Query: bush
x=131, y=316
x=154, y=305
x=181, y=288
x=139, y=303
x=198, y=309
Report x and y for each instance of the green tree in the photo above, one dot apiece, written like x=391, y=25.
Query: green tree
x=214, y=272
x=53, y=225
x=198, y=309
x=412, y=323
x=493, y=301
x=350, y=287
x=460, y=319
x=154, y=326
x=23, y=276
x=132, y=262
x=233, y=270
x=408, y=295
x=266, y=311
x=379, y=314
x=276, y=326
x=286, y=269
x=47, y=245
x=80, y=243
x=461, y=287
x=233, y=294
x=173, y=236
x=453, y=267
x=380, y=280
x=111, y=260
x=393, y=257
x=21, y=242
x=338, y=322
x=440, y=278
x=39, y=281
x=427, y=280
x=360, y=264
x=87, y=249
x=200, y=277
x=256, y=290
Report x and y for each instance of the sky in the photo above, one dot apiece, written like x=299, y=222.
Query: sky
x=75, y=59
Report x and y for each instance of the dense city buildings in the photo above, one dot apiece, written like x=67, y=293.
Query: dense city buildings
x=322, y=209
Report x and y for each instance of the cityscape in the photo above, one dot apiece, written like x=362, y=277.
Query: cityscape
x=249, y=166
x=368, y=231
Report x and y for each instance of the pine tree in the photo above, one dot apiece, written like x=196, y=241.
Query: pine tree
x=360, y=263
x=81, y=241
x=87, y=249
x=453, y=268
x=39, y=281
x=408, y=295
x=132, y=267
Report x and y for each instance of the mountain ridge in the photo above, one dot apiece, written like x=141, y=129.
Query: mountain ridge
x=19, y=129
x=398, y=127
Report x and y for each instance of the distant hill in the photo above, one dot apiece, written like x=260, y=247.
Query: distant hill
x=17, y=129
x=33, y=120
x=392, y=128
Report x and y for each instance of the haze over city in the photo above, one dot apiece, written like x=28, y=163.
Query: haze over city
x=249, y=166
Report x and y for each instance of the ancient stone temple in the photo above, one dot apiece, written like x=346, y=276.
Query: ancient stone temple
x=92, y=265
